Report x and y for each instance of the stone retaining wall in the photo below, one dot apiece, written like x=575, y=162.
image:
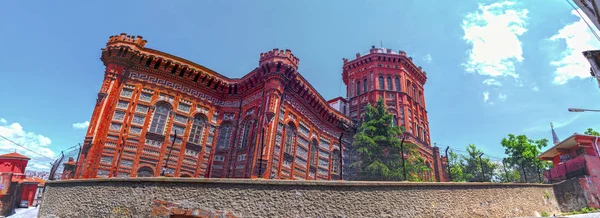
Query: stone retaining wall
x=163, y=197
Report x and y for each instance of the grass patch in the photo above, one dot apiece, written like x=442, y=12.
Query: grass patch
x=583, y=211
x=547, y=195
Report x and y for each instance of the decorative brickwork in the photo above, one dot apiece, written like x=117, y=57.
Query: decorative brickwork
x=391, y=75
x=158, y=114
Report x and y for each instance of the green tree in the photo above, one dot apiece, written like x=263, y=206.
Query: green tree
x=591, y=131
x=510, y=175
x=468, y=168
x=522, y=155
x=473, y=166
x=457, y=167
x=378, y=146
x=414, y=163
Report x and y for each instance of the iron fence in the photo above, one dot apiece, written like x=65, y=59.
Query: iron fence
x=69, y=155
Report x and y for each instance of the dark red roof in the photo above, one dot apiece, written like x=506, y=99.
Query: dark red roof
x=14, y=155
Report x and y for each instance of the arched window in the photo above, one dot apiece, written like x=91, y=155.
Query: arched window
x=336, y=162
x=159, y=119
x=197, y=132
x=290, y=138
x=351, y=88
x=395, y=121
x=358, y=88
x=145, y=172
x=408, y=88
x=247, y=136
x=224, y=136
x=365, y=89
x=389, y=82
x=398, y=88
x=314, y=154
x=381, y=83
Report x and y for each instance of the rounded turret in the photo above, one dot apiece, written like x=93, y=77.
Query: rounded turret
x=124, y=38
x=276, y=55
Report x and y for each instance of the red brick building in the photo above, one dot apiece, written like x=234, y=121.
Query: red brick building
x=383, y=73
x=155, y=110
x=158, y=114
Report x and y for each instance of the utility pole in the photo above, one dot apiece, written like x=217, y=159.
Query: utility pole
x=169, y=155
x=481, y=165
x=77, y=161
x=341, y=158
x=402, y=155
x=262, y=149
x=504, y=165
x=448, y=164
x=537, y=168
x=525, y=173
x=116, y=168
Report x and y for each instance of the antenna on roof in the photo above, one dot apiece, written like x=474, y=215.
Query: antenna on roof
x=381, y=43
x=555, y=139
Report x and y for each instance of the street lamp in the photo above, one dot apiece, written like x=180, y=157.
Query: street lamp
x=582, y=110
x=163, y=172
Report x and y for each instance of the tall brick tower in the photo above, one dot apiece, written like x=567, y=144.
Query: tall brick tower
x=395, y=78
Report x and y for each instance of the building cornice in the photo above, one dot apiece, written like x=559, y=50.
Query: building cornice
x=132, y=52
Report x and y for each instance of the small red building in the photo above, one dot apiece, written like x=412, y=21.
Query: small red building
x=576, y=169
x=14, y=163
x=19, y=191
x=28, y=190
x=69, y=169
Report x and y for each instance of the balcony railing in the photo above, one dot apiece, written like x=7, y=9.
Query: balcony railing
x=574, y=168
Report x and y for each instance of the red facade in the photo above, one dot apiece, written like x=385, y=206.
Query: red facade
x=270, y=123
x=576, y=158
x=19, y=186
x=383, y=73
x=572, y=155
x=14, y=163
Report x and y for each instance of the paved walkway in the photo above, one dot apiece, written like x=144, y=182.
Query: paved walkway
x=587, y=215
x=25, y=212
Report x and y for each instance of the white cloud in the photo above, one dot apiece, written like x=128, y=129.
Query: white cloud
x=572, y=63
x=519, y=83
x=486, y=96
x=427, y=58
x=82, y=125
x=557, y=125
x=32, y=141
x=502, y=96
x=493, y=31
x=535, y=88
x=492, y=82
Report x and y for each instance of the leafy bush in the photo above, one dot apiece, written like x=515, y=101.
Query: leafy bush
x=587, y=210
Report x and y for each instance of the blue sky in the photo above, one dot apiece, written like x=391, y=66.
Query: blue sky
x=493, y=67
